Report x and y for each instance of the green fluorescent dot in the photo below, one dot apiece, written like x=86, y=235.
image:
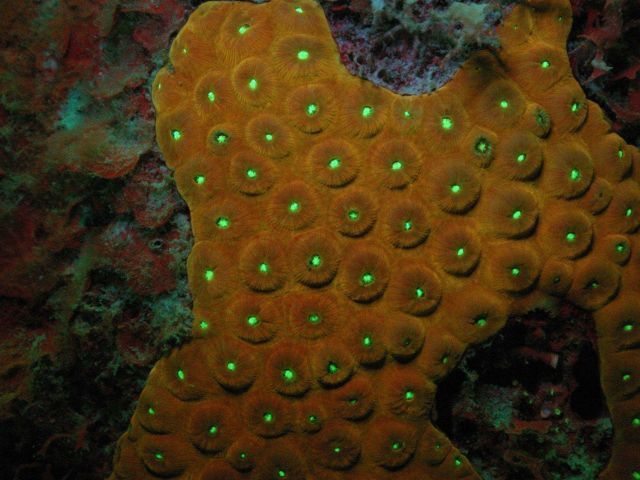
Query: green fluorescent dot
x=504, y=104
x=231, y=366
x=367, y=279
x=460, y=252
x=313, y=318
x=482, y=146
x=221, y=138
x=367, y=111
x=176, y=134
x=445, y=359
x=299, y=10
x=455, y=188
x=282, y=473
x=635, y=475
x=626, y=377
x=263, y=268
x=223, y=222
x=268, y=137
x=571, y=237
x=253, y=84
x=213, y=429
x=294, y=207
x=251, y=173
x=159, y=456
x=204, y=325
x=408, y=225
x=575, y=174
x=332, y=368
x=288, y=375
x=594, y=284
x=209, y=275
x=354, y=215
x=620, y=153
x=303, y=55
x=545, y=64
x=635, y=421
x=457, y=462
x=515, y=271
x=575, y=106
x=242, y=455
x=334, y=163
x=481, y=322
x=409, y=395
x=446, y=123
x=267, y=417
x=367, y=341
x=312, y=109
x=628, y=327
x=199, y=179
x=521, y=157
x=312, y=419
x=211, y=96
x=242, y=29
x=396, y=165
x=628, y=212
x=406, y=114
x=151, y=411
x=397, y=445
x=337, y=449
x=253, y=320
x=517, y=215
x=315, y=261
x=185, y=50
x=180, y=374
x=419, y=292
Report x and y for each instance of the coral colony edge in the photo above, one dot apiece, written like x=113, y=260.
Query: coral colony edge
x=351, y=243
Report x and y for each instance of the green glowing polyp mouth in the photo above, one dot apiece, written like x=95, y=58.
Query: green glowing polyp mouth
x=367, y=111
x=315, y=261
x=367, y=279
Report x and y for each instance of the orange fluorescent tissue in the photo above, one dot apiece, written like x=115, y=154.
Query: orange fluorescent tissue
x=351, y=243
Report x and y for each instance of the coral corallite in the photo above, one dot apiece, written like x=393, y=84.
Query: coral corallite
x=350, y=243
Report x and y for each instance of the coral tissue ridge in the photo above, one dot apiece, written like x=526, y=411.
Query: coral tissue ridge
x=352, y=242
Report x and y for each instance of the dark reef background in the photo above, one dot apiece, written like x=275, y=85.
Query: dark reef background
x=94, y=237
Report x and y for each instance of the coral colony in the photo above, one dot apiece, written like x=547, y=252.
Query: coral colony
x=351, y=243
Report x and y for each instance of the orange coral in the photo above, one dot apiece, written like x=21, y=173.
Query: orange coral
x=351, y=243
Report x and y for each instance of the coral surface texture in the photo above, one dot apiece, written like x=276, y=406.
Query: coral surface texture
x=351, y=243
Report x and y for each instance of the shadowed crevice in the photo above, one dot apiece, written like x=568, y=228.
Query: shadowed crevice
x=527, y=404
